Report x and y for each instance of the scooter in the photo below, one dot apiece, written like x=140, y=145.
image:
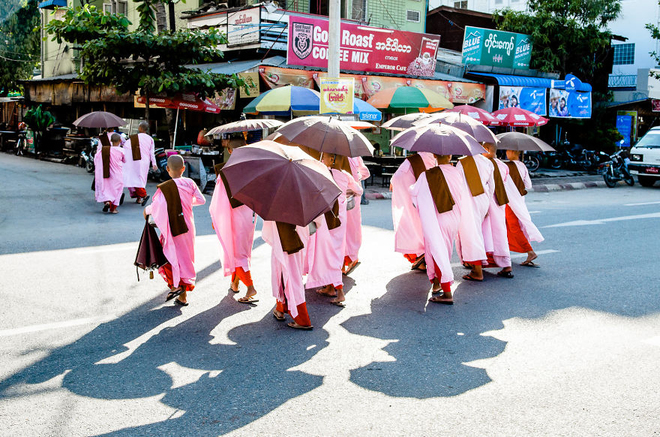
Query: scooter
x=161, y=174
x=87, y=155
x=616, y=170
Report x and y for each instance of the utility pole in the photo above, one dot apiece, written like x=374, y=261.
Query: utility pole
x=334, y=19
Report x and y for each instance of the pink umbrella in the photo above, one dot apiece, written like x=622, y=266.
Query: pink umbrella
x=100, y=119
x=463, y=122
x=477, y=113
x=280, y=183
x=439, y=139
x=519, y=117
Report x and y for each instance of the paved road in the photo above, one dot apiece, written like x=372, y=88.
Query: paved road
x=571, y=348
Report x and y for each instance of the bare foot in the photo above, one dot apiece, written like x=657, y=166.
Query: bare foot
x=445, y=299
x=234, y=285
x=294, y=325
x=328, y=290
x=531, y=256
x=279, y=315
x=339, y=300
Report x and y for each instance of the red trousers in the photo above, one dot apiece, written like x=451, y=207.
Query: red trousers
x=166, y=273
x=303, y=316
x=517, y=240
x=137, y=192
x=446, y=286
x=411, y=257
x=243, y=276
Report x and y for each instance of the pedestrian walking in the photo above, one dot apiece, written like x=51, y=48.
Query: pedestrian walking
x=108, y=185
x=139, y=152
x=360, y=172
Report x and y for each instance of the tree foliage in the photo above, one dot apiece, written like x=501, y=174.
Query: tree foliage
x=141, y=60
x=19, y=42
x=569, y=36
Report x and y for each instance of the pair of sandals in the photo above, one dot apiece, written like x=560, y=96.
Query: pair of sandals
x=175, y=293
x=294, y=325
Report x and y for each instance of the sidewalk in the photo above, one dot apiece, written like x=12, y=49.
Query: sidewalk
x=543, y=181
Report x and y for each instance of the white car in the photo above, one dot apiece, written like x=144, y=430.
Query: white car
x=645, y=158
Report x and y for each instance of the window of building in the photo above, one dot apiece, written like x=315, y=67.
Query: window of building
x=624, y=54
x=498, y=2
x=359, y=11
x=461, y=4
x=117, y=7
x=412, y=16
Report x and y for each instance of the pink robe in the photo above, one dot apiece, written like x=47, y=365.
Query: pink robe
x=518, y=206
x=494, y=225
x=135, y=172
x=440, y=230
x=408, y=235
x=179, y=250
x=480, y=204
x=360, y=172
x=234, y=228
x=286, y=269
x=109, y=189
x=326, y=247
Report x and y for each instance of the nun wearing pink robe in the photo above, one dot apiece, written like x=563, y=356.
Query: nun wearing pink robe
x=360, y=172
x=408, y=235
x=441, y=229
x=109, y=190
x=179, y=250
x=136, y=172
x=326, y=247
x=235, y=230
x=494, y=226
x=287, y=276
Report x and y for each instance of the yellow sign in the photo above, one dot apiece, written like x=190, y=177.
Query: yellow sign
x=337, y=95
x=251, y=83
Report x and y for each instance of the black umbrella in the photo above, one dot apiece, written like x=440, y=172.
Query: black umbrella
x=150, y=254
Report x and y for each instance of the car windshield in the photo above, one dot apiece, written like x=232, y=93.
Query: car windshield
x=651, y=140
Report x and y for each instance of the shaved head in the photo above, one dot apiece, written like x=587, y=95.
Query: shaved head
x=175, y=162
x=143, y=127
x=491, y=150
x=115, y=138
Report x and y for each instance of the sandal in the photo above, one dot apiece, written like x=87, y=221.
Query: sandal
x=470, y=278
x=442, y=300
x=174, y=293
x=503, y=274
x=294, y=325
x=278, y=318
x=248, y=300
x=178, y=302
x=529, y=264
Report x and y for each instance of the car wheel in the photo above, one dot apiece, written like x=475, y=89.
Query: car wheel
x=646, y=181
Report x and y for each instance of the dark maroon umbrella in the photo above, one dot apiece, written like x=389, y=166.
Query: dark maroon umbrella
x=280, y=183
x=150, y=252
x=99, y=119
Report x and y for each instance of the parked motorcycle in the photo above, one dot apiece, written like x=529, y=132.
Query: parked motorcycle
x=532, y=161
x=616, y=170
x=87, y=155
x=161, y=162
x=576, y=156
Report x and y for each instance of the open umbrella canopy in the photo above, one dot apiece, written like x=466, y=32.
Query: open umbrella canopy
x=521, y=141
x=519, y=117
x=409, y=98
x=463, y=122
x=477, y=113
x=189, y=101
x=286, y=100
x=280, y=183
x=327, y=134
x=439, y=139
x=244, y=126
x=403, y=122
x=100, y=119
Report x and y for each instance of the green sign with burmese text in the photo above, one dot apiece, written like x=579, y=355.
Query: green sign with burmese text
x=496, y=48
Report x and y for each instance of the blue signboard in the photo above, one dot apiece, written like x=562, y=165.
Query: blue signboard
x=624, y=126
x=531, y=99
x=570, y=104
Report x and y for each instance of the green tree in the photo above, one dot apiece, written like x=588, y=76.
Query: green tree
x=141, y=60
x=19, y=42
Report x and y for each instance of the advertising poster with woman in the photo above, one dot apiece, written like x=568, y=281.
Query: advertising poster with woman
x=531, y=99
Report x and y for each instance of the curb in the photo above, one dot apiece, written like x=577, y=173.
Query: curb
x=542, y=188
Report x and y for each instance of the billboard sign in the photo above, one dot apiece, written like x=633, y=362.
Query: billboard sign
x=570, y=104
x=496, y=48
x=243, y=27
x=531, y=99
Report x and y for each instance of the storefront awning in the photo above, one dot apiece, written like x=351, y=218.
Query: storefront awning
x=228, y=68
x=531, y=82
x=51, y=4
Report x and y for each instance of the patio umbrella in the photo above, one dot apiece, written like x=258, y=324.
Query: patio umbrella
x=519, y=117
x=521, y=141
x=327, y=134
x=463, y=122
x=403, y=122
x=279, y=138
x=285, y=101
x=408, y=99
x=280, y=183
x=357, y=124
x=100, y=119
x=477, y=113
x=244, y=125
x=438, y=139
x=363, y=110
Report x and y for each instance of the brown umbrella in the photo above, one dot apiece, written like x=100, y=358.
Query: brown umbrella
x=404, y=122
x=439, y=139
x=521, y=141
x=150, y=252
x=244, y=126
x=327, y=135
x=280, y=183
x=463, y=122
x=100, y=119
x=279, y=138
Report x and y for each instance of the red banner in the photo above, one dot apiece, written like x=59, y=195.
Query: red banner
x=363, y=48
x=276, y=77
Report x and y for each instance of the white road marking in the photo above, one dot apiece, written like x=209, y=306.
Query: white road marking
x=56, y=325
x=535, y=212
x=603, y=221
x=641, y=204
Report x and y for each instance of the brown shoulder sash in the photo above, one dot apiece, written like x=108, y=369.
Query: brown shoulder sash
x=514, y=173
x=332, y=216
x=105, y=155
x=500, y=191
x=105, y=141
x=234, y=203
x=174, y=210
x=417, y=165
x=472, y=175
x=135, y=147
x=442, y=197
x=289, y=238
